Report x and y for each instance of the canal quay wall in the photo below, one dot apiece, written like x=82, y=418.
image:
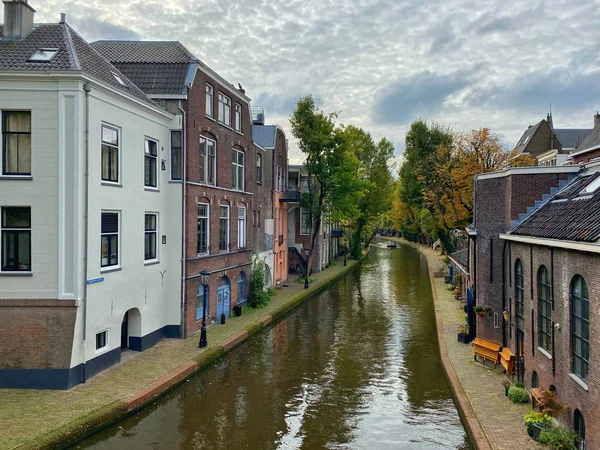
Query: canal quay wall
x=492, y=421
x=35, y=419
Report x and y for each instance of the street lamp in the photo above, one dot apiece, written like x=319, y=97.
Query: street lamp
x=204, y=280
x=306, y=253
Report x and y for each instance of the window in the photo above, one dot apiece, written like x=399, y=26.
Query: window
x=237, y=161
x=579, y=424
x=224, y=110
x=200, y=303
x=150, y=163
x=580, y=327
x=238, y=117
x=101, y=340
x=16, y=239
x=519, y=295
x=16, y=143
x=224, y=228
x=544, y=309
x=268, y=276
x=207, y=161
x=259, y=169
x=305, y=225
x=110, y=154
x=118, y=78
x=209, y=100
x=241, y=227
x=304, y=185
x=176, y=155
x=241, y=285
x=535, y=380
x=109, y=252
x=150, y=237
x=203, y=228
x=43, y=55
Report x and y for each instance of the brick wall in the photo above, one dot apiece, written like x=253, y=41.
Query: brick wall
x=584, y=158
x=565, y=264
x=36, y=334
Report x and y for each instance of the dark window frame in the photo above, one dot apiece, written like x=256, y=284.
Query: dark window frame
x=16, y=232
x=150, y=163
x=224, y=227
x=112, y=240
x=259, y=169
x=111, y=149
x=5, y=133
x=150, y=236
x=176, y=160
x=544, y=309
x=203, y=231
x=582, y=321
x=520, y=295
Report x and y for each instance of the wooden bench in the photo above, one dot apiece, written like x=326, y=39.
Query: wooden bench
x=507, y=359
x=487, y=350
x=536, y=395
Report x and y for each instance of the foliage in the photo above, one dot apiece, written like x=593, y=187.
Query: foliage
x=311, y=278
x=536, y=417
x=506, y=384
x=560, y=439
x=549, y=404
x=258, y=297
x=271, y=291
x=517, y=395
x=463, y=329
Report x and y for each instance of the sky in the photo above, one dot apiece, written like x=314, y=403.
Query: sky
x=380, y=63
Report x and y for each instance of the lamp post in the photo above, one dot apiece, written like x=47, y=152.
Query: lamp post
x=204, y=280
x=519, y=358
x=306, y=253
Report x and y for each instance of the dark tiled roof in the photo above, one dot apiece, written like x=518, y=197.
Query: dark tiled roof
x=155, y=67
x=264, y=135
x=526, y=138
x=462, y=258
x=568, y=137
x=569, y=215
x=74, y=54
x=591, y=142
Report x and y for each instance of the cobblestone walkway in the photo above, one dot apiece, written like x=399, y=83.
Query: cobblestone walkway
x=27, y=414
x=502, y=420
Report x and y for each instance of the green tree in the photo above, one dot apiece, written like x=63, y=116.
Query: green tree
x=257, y=295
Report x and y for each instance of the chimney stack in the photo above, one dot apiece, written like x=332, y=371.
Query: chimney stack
x=18, y=19
x=63, y=18
x=596, y=119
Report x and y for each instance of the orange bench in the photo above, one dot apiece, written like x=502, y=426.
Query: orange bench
x=507, y=359
x=487, y=350
x=536, y=396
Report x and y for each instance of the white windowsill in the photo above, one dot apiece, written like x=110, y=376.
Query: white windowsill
x=151, y=189
x=102, y=350
x=579, y=381
x=544, y=352
x=175, y=181
x=239, y=132
x=16, y=177
x=16, y=273
x=223, y=124
x=110, y=183
x=151, y=262
x=110, y=269
x=210, y=118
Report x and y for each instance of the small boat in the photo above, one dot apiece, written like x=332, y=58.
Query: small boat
x=391, y=245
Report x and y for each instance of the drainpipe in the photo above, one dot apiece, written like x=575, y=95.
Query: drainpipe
x=86, y=207
x=183, y=217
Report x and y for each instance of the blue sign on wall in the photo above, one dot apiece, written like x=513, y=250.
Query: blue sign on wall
x=95, y=280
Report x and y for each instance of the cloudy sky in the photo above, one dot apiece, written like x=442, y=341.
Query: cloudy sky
x=381, y=63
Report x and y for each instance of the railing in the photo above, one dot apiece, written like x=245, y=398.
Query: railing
x=337, y=233
x=291, y=195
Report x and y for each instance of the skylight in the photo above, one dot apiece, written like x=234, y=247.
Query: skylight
x=43, y=55
x=118, y=78
x=591, y=188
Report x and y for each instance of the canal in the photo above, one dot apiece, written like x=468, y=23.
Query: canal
x=356, y=367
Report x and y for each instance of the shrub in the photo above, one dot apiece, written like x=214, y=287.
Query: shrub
x=257, y=296
x=517, y=395
x=520, y=384
x=560, y=439
x=311, y=278
x=464, y=329
x=549, y=404
x=536, y=417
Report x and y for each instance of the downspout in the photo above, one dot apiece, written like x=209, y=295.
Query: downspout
x=86, y=207
x=183, y=218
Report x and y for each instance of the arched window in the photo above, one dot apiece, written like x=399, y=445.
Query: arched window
x=535, y=380
x=268, y=276
x=241, y=286
x=580, y=327
x=519, y=295
x=200, y=303
x=544, y=309
x=579, y=427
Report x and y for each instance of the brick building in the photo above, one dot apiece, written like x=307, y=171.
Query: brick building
x=215, y=162
x=551, y=289
x=589, y=151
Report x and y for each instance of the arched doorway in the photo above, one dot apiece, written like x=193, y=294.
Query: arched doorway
x=535, y=380
x=241, y=288
x=131, y=330
x=580, y=428
x=223, y=298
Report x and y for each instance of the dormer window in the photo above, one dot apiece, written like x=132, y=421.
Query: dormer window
x=118, y=78
x=43, y=55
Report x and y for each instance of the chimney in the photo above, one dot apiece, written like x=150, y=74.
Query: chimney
x=18, y=19
x=596, y=119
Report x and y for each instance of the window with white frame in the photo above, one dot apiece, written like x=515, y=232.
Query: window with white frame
x=305, y=225
x=238, y=117
x=150, y=237
x=110, y=154
x=176, y=155
x=304, y=185
x=203, y=228
x=150, y=163
x=224, y=227
x=241, y=227
x=224, y=110
x=16, y=142
x=101, y=340
x=209, y=100
x=15, y=228
x=109, y=251
x=259, y=169
x=208, y=161
x=237, y=161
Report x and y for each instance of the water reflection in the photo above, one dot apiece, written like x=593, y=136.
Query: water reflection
x=356, y=367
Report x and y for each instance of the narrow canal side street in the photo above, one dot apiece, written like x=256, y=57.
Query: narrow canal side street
x=495, y=422
x=42, y=418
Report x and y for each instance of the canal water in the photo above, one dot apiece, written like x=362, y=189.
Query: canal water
x=356, y=367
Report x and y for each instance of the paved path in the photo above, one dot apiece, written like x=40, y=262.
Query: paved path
x=28, y=414
x=501, y=420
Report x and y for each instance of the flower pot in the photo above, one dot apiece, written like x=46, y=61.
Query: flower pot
x=537, y=428
x=465, y=338
x=481, y=313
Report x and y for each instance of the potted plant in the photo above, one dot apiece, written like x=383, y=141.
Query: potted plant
x=533, y=418
x=481, y=310
x=463, y=334
x=456, y=293
x=506, y=385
